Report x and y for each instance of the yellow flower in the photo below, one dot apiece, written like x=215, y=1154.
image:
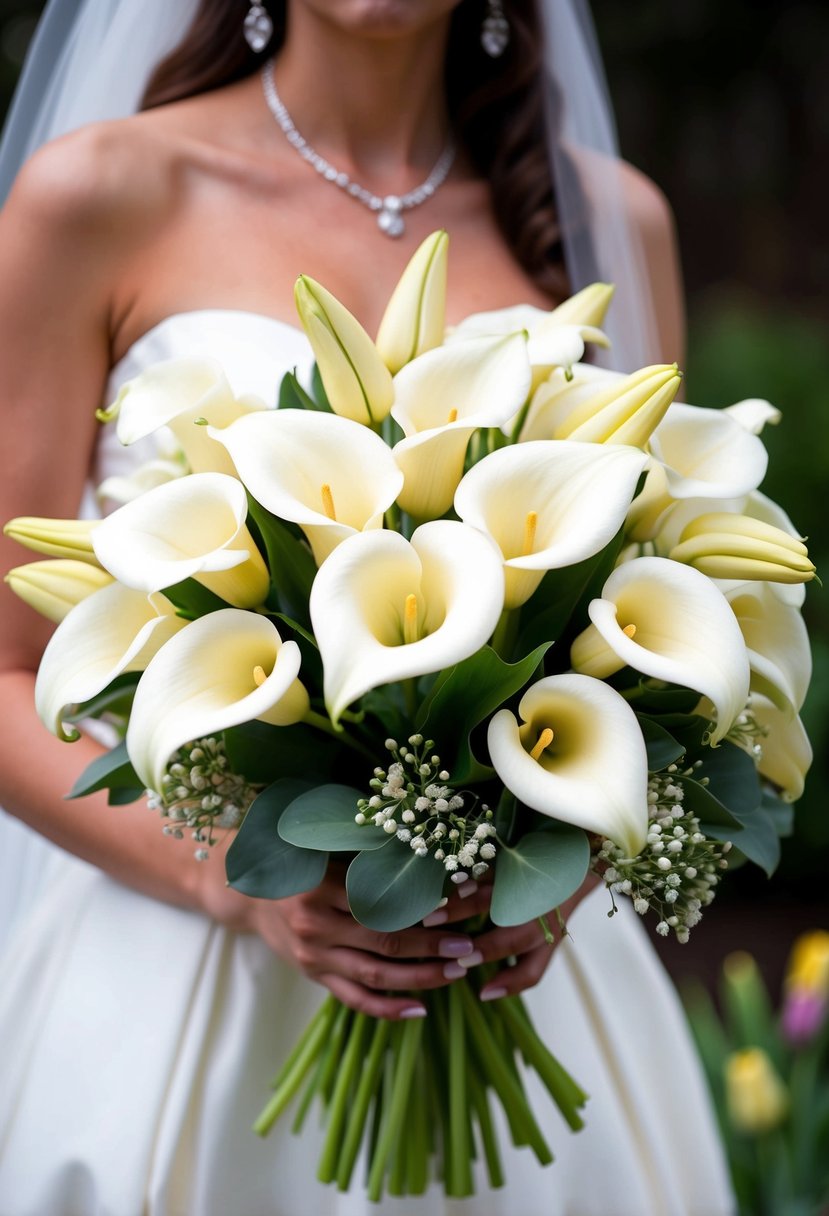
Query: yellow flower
x=755, y=1095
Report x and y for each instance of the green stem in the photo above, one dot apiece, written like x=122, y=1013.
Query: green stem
x=409, y=1045
x=547, y=931
x=565, y=1092
x=460, y=1171
x=392, y=518
x=366, y=1090
x=346, y=1074
x=312, y=718
x=410, y=695
x=417, y=1157
x=324, y=1014
x=503, y=639
x=489, y=1141
x=334, y=1051
x=292, y=1080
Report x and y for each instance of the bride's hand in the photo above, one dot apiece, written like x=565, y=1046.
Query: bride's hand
x=316, y=933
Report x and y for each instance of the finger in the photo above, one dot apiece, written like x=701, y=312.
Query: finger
x=500, y=943
x=470, y=899
x=374, y=1004
x=525, y=973
x=371, y=971
x=408, y=943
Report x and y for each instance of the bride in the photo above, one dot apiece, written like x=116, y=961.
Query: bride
x=143, y=1003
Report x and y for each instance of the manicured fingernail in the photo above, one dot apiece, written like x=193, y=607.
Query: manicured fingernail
x=472, y=960
x=492, y=994
x=454, y=971
x=467, y=888
x=414, y=1011
x=454, y=947
x=439, y=917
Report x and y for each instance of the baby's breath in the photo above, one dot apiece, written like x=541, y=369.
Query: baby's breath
x=414, y=800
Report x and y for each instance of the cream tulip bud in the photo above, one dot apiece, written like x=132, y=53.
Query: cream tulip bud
x=756, y=1097
x=414, y=319
x=586, y=307
x=357, y=382
x=66, y=538
x=53, y=588
x=723, y=545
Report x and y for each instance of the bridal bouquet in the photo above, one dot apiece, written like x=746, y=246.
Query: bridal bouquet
x=462, y=607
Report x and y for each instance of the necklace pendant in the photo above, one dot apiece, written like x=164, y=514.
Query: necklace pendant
x=390, y=219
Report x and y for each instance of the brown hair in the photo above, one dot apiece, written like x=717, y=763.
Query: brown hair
x=496, y=107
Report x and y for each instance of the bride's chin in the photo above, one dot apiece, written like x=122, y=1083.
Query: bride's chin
x=379, y=18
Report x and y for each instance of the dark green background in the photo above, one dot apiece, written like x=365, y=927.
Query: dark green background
x=726, y=106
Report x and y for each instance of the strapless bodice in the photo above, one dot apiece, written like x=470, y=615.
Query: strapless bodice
x=253, y=350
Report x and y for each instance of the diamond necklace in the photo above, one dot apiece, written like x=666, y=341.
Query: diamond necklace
x=389, y=209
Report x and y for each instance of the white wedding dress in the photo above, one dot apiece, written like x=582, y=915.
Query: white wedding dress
x=137, y=1040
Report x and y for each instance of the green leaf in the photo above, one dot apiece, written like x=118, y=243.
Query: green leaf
x=192, y=600
x=116, y=698
x=292, y=396
x=708, y=809
x=780, y=812
x=756, y=838
x=262, y=753
x=392, y=888
x=112, y=770
x=732, y=777
x=321, y=401
x=466, y=694
x=654, y=697
x=323, y=818
x=259, y=862
x=536, y=875
x=661, y=746
x=290, y=562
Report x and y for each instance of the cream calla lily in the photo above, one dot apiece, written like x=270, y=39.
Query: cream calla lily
x=190, y=528
x=538, y=502
x=736, y=546
x=177, y=393
x=560, y=395
x=587, y=307
x=114, y=630
x=777, y=642
x=122, y=489
x=707, y=454
x=414, y=319
x=627, y=412
x=441, y=398
x=386, y=609
x=578, y=756
x=785, y=751
x=330, y=475
x=670, y=622
x=221, y=670
x=66, y=538
x=53, y=588
x=357, y=382
x=754, y=414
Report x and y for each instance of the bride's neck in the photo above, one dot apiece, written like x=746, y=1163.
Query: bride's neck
x=374, y=106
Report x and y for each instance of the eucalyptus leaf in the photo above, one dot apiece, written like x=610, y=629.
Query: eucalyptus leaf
x=290, y=562
x=112, y=770
x=662, y=748
x=466, y=694
x=323, y=818
x=259, y=862
x=124, y=795
x=732, y=777
x=192, y=600
x=262, y=753
x=781, y=813
x=756, y=838
x=708, y=809
x=538, y=873
x=392, y=888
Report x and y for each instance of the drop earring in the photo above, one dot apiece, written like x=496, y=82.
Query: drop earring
x=258, y=27
x=495, y=30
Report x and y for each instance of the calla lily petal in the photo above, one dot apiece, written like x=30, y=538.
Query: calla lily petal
x=579, y=757
x=67, y=538
x=120, y=490
x=386, y=609
x=221, y=670
x=670, y=622
x=707, y=454
x=53, y=588
x=778, y=644
x=175, y=393
x=357, y=382
x=586, y=307
x=785, y=751
x=539, y=504
x=754, y=413
x=112, y=631
x=190, y=528
x=553, y=341
x=414, y=319
x=328, y=474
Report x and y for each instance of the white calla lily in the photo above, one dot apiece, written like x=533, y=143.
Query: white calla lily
x=386, y=609
x=754, y=413
x=554, y=401
x=586, y=307
x=538, y=502
x=414, y=320
x=177, y=393
x=190, y=528
x=707, y=453
x=777, y=642
x=328, y=474
x=785, y=752
x=441, y=398
x=111, y=631
x=122, y=489
x=670, y=622
x=221, y=670
x=553, y=339
x=579, y=756
x=53, y=588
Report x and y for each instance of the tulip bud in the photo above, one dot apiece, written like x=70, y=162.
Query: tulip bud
x=627, y=412
x=52, y=588
x=806, y=988
x=414, y=319
x=586, y=307
x=357, y=382
x=739, y=547
x=755, y=1095
x=68, y=538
